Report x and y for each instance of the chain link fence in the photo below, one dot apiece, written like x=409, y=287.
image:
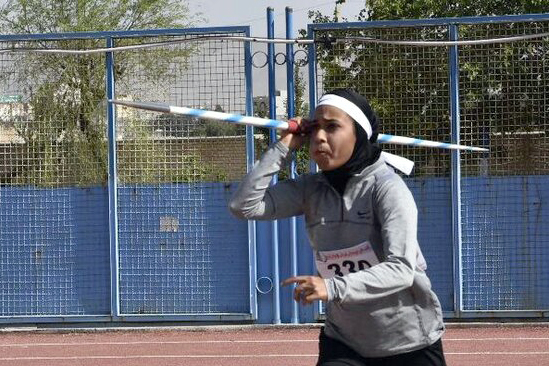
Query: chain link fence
x=179, y=251
x=503, y=107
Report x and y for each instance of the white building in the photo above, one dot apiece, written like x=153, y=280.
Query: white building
x=261, y=105
x=11, y=109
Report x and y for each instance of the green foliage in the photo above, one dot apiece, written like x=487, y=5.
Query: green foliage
x=158, y=166
x=301, y=109
x=58, y=16
x=408, y=87
x=404, y=9
x=301, y=106
x=65, y=132
x=301, y=156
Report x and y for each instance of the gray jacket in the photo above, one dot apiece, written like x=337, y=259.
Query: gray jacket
x=378, y=311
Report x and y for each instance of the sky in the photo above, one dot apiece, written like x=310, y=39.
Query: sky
x=254, y=14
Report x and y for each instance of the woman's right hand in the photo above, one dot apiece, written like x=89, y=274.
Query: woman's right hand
x=294, y=140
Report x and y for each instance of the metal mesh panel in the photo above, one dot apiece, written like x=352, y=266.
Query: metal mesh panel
x=408, y=88
x=181, y=252
x=54, y=257
x=504, y=106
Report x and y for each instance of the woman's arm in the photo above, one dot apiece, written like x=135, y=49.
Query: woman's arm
x=255, y=199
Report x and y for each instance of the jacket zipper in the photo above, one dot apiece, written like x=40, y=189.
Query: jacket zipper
x=342, y=203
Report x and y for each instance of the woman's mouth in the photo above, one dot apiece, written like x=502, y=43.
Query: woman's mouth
x=322, y=153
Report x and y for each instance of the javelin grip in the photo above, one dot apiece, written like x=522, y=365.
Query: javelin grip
x=300, y=129
x=293, y=127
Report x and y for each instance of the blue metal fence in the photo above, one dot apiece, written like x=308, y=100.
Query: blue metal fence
x=153, y=240
x=480, y=214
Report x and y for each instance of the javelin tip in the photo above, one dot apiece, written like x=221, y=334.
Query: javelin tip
x=156, y=107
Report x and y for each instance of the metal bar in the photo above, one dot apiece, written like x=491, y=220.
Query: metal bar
x=250, y=155
x=35, y=319
x=431, y=22
x=38, y=319
x=215, y=317
x=311, y=55
x=121, y=34
x=456, y=171
x=242, y=29
x=272, y=135
x=112, y=184
x=470, y=314
x=150, y=45
x=291, y=113
x=443, y=43
x=124, y=318
x=276, y=40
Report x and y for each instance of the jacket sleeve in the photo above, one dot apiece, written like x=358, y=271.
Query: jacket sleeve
x=256, y=200
x=396, y=210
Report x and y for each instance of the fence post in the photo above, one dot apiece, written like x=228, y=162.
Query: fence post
x=456, y=170
x=311, y=56
x=272, y=134
x=291, y=113
x=250, y=160
x=112, y=183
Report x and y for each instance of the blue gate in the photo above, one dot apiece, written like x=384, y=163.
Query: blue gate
x=122, y=216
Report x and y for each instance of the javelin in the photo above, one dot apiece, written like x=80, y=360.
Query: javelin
x=291, y=126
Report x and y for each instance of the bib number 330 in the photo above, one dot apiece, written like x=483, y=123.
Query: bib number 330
x=350, y=267
x=344, y=261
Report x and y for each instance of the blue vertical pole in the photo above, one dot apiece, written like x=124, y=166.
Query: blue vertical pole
x=311, y=55
x=112, y=184
x=250, y=160
x=272, y=135
x=291, y=113
x=456, y=171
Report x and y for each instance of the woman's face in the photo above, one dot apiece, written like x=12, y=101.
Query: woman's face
x=333, y=138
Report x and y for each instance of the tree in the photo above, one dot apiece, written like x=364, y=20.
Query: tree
x=59, y=16
x=301, y=106
x=301, y=109
x=404, y=9
x=408, y=86
x=65, y=131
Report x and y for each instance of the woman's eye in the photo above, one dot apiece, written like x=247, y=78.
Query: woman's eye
x=331, y=127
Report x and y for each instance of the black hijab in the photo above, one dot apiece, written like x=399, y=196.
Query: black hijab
x=366, y=150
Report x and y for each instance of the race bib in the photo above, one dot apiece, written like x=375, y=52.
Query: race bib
x=344, y=261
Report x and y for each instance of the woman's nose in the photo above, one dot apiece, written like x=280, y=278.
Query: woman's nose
x=319, y=135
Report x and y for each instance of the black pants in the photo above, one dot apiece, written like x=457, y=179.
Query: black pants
x=335, y=353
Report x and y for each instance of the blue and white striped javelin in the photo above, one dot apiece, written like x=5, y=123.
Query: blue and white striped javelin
x=273, y=123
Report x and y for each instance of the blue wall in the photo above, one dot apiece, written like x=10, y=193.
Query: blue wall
x=506, y=243
x=181, y=252
x=54, y=251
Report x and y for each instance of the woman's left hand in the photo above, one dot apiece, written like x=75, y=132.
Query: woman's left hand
x=308, y=289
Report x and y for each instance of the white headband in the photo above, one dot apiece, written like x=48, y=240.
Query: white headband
x=402, y=164
x=348, y=107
